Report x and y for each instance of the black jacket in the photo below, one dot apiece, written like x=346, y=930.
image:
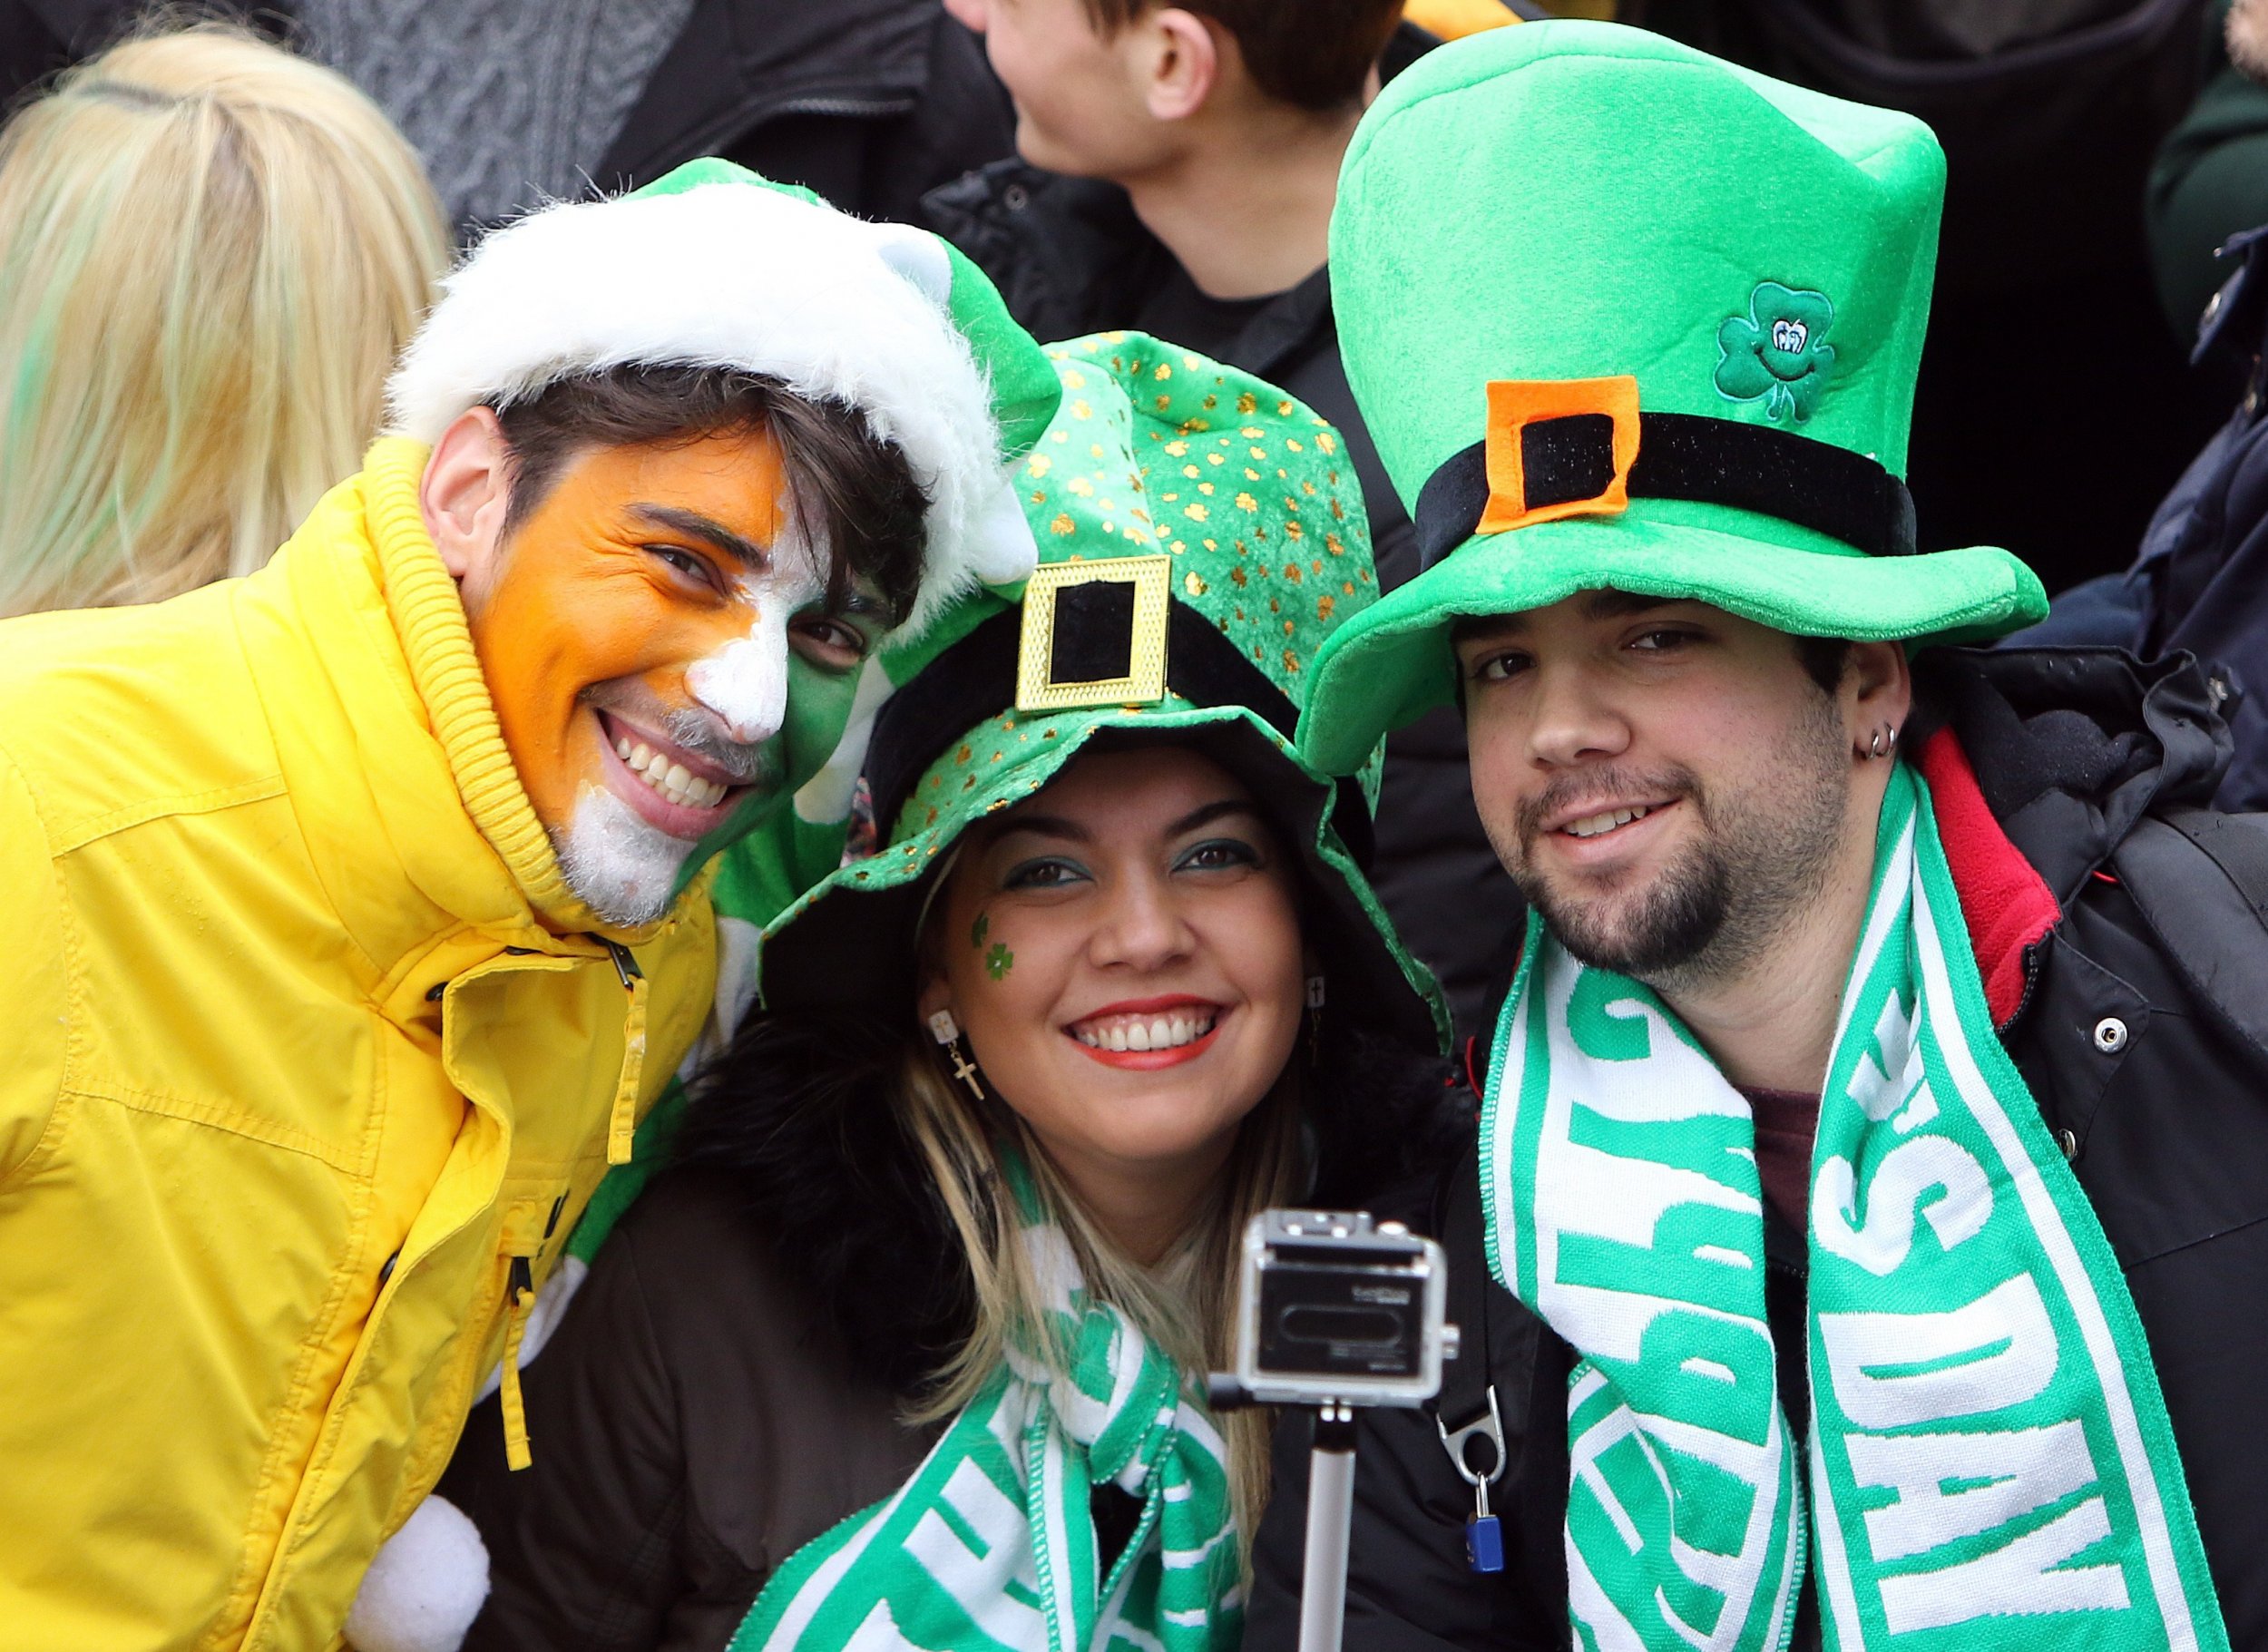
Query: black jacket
x=869, y=102
x=1069, y=257
x=2201, y=582
x=729, y=1381
x=2077, y=754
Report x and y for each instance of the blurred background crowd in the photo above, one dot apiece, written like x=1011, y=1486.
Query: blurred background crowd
x=218, y=226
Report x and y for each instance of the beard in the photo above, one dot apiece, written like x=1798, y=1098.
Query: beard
x=622, y=867
x=1760, y=856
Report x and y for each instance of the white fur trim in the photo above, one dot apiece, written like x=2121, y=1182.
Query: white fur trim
x=731, y=275
x=426, y=1587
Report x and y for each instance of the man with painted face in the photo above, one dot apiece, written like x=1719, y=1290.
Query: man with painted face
x=1873, y=1142
x=359, y=908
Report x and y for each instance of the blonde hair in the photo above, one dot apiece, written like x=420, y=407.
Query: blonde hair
x=210, y=252
x=1184, y=1305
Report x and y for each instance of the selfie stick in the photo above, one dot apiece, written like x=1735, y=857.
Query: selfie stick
x=1330, y=1510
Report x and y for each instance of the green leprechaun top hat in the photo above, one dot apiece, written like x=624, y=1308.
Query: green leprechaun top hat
x=1200, y=537
x=1620, y=315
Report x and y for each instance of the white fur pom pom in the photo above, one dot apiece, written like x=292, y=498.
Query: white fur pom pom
x=426, y=1587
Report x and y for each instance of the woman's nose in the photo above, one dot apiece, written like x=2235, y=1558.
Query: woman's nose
x=1143, y=926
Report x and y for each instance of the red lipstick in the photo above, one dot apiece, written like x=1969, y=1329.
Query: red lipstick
x=1150, y=1061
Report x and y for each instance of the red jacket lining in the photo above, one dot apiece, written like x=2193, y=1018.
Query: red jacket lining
x=2006, y=903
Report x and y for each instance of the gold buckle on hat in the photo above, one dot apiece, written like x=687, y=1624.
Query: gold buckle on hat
x=1036, y=688
x=1514, y=404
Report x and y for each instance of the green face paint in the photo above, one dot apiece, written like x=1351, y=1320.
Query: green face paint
x=819, y=709
x=979, y=930
x=999, y=961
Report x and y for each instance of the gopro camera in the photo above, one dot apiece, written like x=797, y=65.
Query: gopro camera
x=1333, y=1309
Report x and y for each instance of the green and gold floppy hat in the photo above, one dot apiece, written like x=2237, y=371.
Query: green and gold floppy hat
x=1620, y=315
x=1200, y=537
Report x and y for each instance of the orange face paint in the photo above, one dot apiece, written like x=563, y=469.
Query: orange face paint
x=641, y=563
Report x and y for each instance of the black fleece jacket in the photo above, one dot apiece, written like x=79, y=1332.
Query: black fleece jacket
x=2165, y=1123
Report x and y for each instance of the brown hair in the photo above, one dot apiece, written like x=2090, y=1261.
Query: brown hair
x=1315, y=55
x=851, y=488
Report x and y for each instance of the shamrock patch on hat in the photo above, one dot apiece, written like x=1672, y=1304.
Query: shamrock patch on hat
x=1778, y=352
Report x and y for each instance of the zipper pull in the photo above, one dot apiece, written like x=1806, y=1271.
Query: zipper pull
x=520, y=1299
x=622, y=1117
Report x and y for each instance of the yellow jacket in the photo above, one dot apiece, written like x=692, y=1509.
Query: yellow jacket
x=308, y=1060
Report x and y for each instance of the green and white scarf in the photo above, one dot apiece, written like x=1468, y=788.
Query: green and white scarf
x=1991, y=1462
x=990, y=1546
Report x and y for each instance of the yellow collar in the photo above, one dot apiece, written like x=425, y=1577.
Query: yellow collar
x=429, y=618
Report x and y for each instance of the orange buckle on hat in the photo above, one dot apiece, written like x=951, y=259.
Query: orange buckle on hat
x=1515, y=403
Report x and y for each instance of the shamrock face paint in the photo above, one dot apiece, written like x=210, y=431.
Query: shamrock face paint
x=998, y=959
x=643, y=634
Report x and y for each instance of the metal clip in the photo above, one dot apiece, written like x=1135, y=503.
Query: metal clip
x=1484, y=1534
x=1490, y=1428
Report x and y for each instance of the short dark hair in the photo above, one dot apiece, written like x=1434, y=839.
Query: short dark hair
x=1316, y=55
x=1826, y=658
x=856, y=489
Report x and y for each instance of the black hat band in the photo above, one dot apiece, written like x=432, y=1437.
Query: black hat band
x=1569, y=460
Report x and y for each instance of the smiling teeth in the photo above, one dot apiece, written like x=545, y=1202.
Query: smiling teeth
x=677, y=785
x=1145, y=1032
x=1592, y=824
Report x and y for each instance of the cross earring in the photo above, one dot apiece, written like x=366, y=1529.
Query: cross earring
x=1314, y=1021
x=947, y=1032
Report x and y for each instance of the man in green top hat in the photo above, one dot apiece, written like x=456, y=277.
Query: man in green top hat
x=1872, y=1137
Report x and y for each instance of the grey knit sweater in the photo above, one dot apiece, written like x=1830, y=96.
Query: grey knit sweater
x=510, y=101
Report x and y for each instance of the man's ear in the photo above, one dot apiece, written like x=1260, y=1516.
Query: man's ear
x=1877, y=688
x=1184, y=63
x=465, y=494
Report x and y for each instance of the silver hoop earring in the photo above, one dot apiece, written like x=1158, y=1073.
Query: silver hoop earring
x=1883, y=741
x=947, y=1032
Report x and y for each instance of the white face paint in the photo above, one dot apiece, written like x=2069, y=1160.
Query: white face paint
x=622, y=867
x=745, y=683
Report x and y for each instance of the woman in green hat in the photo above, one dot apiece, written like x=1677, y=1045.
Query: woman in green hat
x=910, y=1349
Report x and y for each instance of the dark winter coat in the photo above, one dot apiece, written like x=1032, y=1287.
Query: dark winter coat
x=869, y=102
x=2148, y=1058
x=2201, y=582
x=730, y=1381
x=1069, y=257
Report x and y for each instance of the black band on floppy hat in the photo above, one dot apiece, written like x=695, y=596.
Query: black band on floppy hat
x=1572, y=447
x=1087, y=635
